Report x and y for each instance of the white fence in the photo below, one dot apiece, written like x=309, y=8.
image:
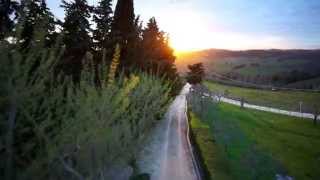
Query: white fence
x=262, y=108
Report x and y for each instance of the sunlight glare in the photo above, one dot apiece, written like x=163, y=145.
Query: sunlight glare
x=188, y=32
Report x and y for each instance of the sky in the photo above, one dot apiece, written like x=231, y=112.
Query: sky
x=231, y=24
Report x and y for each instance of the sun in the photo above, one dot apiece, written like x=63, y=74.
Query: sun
x=190, y=31
x=186, y=38
x=187, y=31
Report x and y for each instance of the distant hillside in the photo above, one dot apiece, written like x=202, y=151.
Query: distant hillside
x=285, y=68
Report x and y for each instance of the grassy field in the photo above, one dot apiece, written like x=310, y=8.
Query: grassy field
x=262, y=66
x=267, y=66
x=287, y=100
x=278, y=60
x=249, y=144
x=216, y=166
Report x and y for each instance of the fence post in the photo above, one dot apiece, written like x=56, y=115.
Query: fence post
x=301, y=109
x=316, y=114
x=242, y=102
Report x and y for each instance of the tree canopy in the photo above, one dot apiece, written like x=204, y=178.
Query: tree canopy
x=76, y=38
x=103, y=19
x=35, y=17
x=67, y=83
x=196, y=73
x=142, y=48
x=8, y=8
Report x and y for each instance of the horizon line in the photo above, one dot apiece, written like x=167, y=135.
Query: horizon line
x=253, y=49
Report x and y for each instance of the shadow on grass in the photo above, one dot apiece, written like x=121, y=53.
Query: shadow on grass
x=244, y=159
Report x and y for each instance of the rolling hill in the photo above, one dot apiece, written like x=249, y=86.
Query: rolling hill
x=285, y=68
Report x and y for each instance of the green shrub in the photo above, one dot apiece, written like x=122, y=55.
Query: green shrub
x=52, y=128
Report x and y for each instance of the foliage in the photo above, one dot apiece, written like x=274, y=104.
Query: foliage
x=216, y=167
x=123, y=24
x=143, y=49
x=103, y=19
x=76, y=28
x=122, y=31
x=196, y=73
x=157, y=55
x=63, y=128
x=67, y=111
x=26, y=104
x=8, y=8
x=157, y=52
x=35, y=16
x=114, y=65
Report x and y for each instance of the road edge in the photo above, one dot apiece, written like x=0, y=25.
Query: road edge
x=196, y=160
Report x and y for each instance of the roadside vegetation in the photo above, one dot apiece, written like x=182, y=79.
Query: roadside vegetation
x=76, y=102
x=286, y=100
x=213, y=160
x=250, y=144
x=78, y=129
x=196, y=73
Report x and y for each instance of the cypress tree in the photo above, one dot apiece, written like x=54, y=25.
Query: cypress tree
x=76, y=38
x=123, y=30
x=135, y=47
x=123, y=24
x=8, y=8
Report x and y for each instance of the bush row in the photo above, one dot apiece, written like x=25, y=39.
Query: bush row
x=52, y=128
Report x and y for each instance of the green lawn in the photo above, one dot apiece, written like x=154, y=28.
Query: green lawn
x=287, y=100
x=216, y=166
x=249, y=144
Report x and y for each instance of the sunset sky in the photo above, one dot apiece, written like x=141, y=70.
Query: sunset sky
x=232, y=24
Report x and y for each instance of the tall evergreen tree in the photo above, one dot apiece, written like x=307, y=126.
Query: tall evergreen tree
x=103, y=19
x=36, y=17
x=102, y=44
x=134, y=47
x=76, y=38
x=158, y=54
x=48, y=25
x=151, y=41
x=8, y=8
x=123, y=30
x=123, y=24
